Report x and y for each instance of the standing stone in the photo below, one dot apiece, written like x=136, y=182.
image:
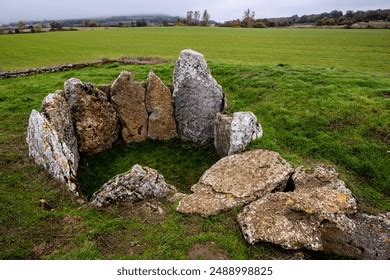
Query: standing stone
x=128, y=98
x=162, y=125
x=57, y=111
x=233, y=134
x=237, y=180
x=49, y=151
x=197, y=98
x=137, y=184
x=94, y=117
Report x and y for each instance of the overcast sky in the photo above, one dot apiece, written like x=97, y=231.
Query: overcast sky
x=220, y=10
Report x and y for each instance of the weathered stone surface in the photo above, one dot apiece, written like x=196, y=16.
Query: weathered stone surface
x=197, y=98
x=233, y=134
x=368, y=240
x=294, y=219
x=49, y=151
x=137, y=184
x=57, y=111
x=128, y=98
x=94, y=117
x=237, y=180
x=105, y=88
x=161, y=124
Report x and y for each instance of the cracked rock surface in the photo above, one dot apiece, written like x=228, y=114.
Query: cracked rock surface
x=197, y=98
x=95, y=119
x=128, y=98
x=57, y=112
x=320, y=214
x=233, y=134
x=237, y=180
x=161, y=122
x=137, y=184
x=47, y=150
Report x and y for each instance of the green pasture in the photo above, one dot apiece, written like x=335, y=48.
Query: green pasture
x=360, y=50
x=322, y=96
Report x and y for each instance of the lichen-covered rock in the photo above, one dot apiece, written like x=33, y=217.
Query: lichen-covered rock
x=135, y=185
x=368, y=240
x=128, y=98
x=161, y=123
x=57, y=112
x=47, y=149
x=233, y=134
x=95, y=120
x=293, y=220
x=237, y=180
x=197, y=98
x=290, y=220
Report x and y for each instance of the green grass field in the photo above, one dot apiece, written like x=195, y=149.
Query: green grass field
x=312, y=110
x=360, y=50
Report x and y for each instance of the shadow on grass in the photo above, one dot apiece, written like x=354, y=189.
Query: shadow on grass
x=179, y=162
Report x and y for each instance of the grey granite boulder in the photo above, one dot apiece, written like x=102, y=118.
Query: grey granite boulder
x=135, y=185
x=48, y=150
x=95, y=119
x=237, y=180
x=233, y=134
x=197, y=98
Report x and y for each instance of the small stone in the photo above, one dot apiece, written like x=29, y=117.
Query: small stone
x=128, y=98
x=45, y=205
x=197, y=98
x=161, y=123
x=233, y=134
x=135, y=185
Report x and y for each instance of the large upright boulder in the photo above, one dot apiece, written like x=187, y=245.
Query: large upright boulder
x=128, y=98
x=48, y=150
x=161, y=123
x=95, y=119
x=137, y=184
x=237, y=180
x=57, y=111
x=233, y=134
x=197, y=98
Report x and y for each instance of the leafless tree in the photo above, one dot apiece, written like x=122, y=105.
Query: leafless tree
x=205, y=18
x=196, y=17
x=190, y=17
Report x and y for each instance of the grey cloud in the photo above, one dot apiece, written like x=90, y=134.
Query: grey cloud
x=14, y=10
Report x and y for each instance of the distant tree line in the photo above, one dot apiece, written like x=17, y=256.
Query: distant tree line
x=195, y=18
x=324, y=19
